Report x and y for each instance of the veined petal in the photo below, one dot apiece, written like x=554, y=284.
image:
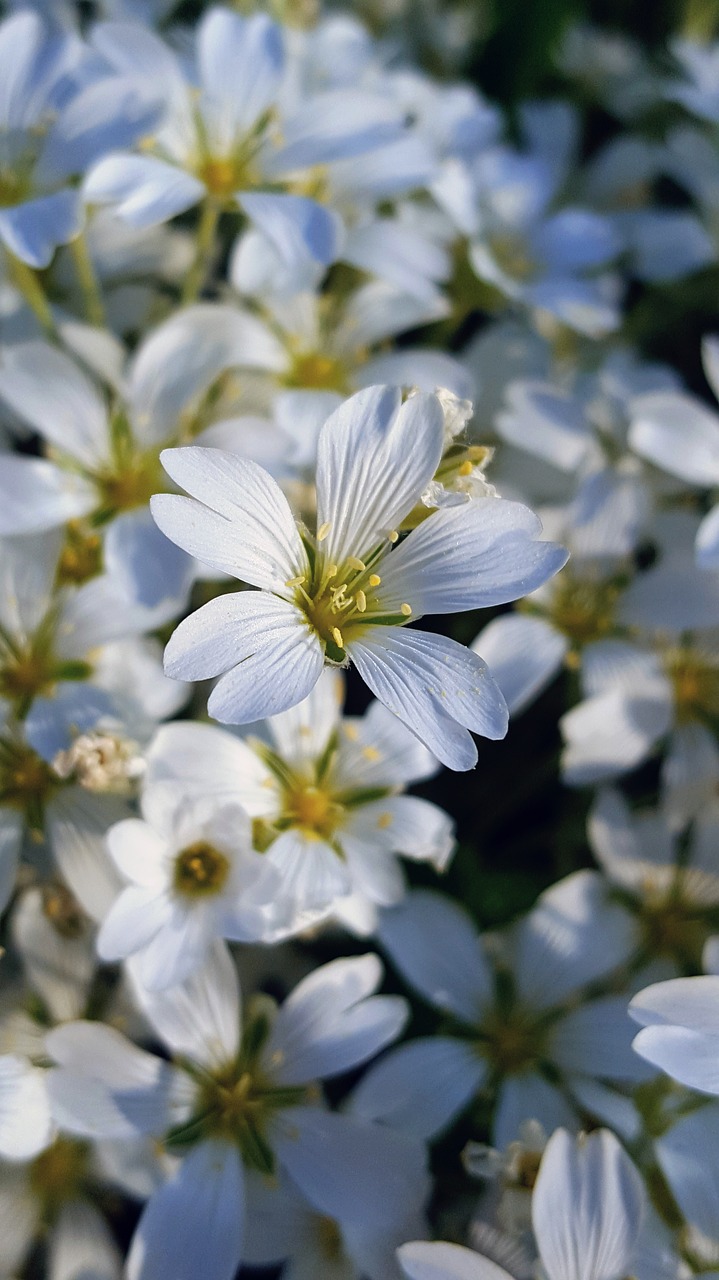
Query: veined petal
x=587, y=1207
x=240, y=62
x=302, y=231
x=202, y=760
x=199, y=1019
x=228, y=630
x=242, y=507
x=375, y=458
x=524, y=654
x=313, y=875
x=471, y=556
x=435, y=686
x=284, y=666
x=51, y=394
x=194, y=1225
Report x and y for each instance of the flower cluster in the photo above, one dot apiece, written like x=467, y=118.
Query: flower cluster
x=345, y=416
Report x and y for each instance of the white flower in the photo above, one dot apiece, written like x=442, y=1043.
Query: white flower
x=539, y=1041
x=25, y=1123
x=346, y=594
x=193, y=877
x=587, y=1211
x=237, y=1100
x=324, y=796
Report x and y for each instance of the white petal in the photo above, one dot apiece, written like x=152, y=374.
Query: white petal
x=194, y=1225
x=312, y=874
x=36, y=495
x=440, y=1261
x=50, y=393
x=587, y=1207
x=245, y=527
x=379, y=751
x=201, y=1018
x=227, y=630
x=472, y=556
x=407, y=825
x=375, y=457
x=421, y=1087
x=81, y=1246
x=273, y=677
x=104, y=1086
x=349, y=1169
x=58, y=967
x=685, y=1002
x=690, y=1057
x=202, y=760
x=708, y=541
x=77, y=823
x=332, y=1022
x=687, y=1158
x=137, y=917
x=454, y=977
x=573, y=936
x=303, y=732
x=678, y=434
x=11, y=835
x=524, y=654
x=240, y=63
x=145, y=191
x=25, y=1127
x=437, y=687
x=595, y=1040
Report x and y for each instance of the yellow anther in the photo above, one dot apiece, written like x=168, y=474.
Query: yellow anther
x=372, y=754
x=374, y=579
x=337, y=637
x=385, y=820
x=323, y=531
x=352, y=732
x=393, y=535
x=295, y=582
x=361, y=601
x=406, y=609
x=354, y=563
x=466, y=469
x=331, y=572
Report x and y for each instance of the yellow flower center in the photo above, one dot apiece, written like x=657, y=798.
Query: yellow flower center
x=200, y=871
x=58, y=1173
x=511, y=1041
x=81, y=555
x=220, y=176
x=583, y=611
x=695, y=681
x=131, y=484
x=512, y=256
x=313, y=809
x=320, y=372
x=61, y=909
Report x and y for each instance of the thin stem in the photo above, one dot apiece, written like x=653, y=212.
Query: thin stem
x=204, y=250
x=28, y=282
x=88, y=281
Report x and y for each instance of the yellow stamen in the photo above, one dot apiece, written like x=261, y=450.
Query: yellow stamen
x=384, y=821
x=393, y=535
x=354, y=563
x=406, y=609
x=466, y=469
x=337, y=637
x=323, y=531
x=371, y=753
x=361, y=601
x=295, y=582
x=374, y=579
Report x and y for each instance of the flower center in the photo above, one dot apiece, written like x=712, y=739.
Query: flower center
x=81, y=555
x=583, y=611
x=58, y=1173
x=29, y=669
x=512, y=256
x=322, y=373
x=339, y=601
x=512, y=1041
x=695, y=681
x=63, y=912
x=130, y=485
x=313, y=809
x=200, y=870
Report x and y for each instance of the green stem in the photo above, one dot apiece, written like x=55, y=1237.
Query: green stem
x=204, y=250
x=88, y=281
x=28, y=282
